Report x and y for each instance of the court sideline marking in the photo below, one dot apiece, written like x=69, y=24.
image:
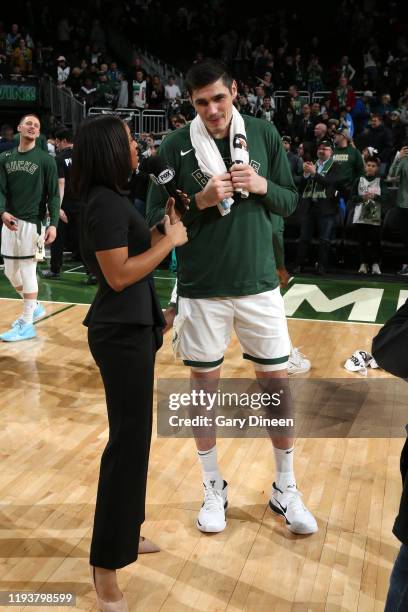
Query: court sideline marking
x=163, y=309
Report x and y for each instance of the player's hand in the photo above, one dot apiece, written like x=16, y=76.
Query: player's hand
x=63, y=216
x=176, y=232
x=169, y=316
x=217, y=189
x=284, y=277
x=9, y=221
x=244, y=177
x=50, y=234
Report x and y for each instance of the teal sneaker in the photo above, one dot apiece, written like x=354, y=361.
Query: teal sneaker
x=20, y=331
x=38, y=313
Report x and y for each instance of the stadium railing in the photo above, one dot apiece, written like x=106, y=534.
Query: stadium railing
x=62, y=103
x=150, y=121
x=280, y=95
x=132, y=116
x=154, y=121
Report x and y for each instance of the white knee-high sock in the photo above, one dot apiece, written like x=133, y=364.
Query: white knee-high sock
x=209, y=466
x=28, y=312
x=285, y=476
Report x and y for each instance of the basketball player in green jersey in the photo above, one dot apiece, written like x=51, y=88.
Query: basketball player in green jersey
x=227, y=273
x=28, y=185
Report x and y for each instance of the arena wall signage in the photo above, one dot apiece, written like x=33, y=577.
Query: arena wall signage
x=18, y=94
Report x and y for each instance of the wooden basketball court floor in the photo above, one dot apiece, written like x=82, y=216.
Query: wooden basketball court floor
x=52, y=434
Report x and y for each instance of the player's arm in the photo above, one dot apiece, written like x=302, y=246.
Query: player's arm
x=61, y=187
x=53, y=202
x=61, y=190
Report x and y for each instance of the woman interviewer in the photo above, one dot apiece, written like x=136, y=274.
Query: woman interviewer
x=124, y=332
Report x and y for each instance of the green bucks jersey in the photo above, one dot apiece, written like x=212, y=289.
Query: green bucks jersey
x=28, y=183
x=229, y=255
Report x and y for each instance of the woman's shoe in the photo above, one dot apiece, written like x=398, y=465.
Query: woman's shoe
x=147, y=546
x=108, y=606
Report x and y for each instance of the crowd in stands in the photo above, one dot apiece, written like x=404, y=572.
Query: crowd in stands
x=345, y=85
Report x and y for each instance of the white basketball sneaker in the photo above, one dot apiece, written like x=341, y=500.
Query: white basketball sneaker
x=288, y=503
x=211, y=518
x=297, y=362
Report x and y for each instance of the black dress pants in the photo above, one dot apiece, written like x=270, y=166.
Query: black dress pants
x=67, y=235
x=125, y=355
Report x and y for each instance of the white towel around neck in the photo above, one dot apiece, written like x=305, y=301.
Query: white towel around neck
x=208, y=156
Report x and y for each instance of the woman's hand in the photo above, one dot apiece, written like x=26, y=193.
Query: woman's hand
x=171, y=207
x=171, y=211
x=176, y=232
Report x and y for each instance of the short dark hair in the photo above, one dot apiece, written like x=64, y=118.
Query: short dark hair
x=207, y=72
x=373, y=159
x=29, y=115
x=64, y=134
x=101, y=156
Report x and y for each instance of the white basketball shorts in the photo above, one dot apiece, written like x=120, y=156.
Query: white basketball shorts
x=202, y=330
x=20, y=244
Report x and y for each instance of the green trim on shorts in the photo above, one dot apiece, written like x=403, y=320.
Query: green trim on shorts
x=17, y=256
x=203, y=364
x=275, y=361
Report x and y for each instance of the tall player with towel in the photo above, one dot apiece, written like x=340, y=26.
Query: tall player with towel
x=227, y=272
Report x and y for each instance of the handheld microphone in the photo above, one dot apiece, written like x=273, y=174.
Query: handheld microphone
x=241, y=156
x=162, y=174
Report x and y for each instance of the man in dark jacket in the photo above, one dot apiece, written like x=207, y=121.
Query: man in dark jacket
x=305, y=125
x=379, y=137
x=319, y=204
